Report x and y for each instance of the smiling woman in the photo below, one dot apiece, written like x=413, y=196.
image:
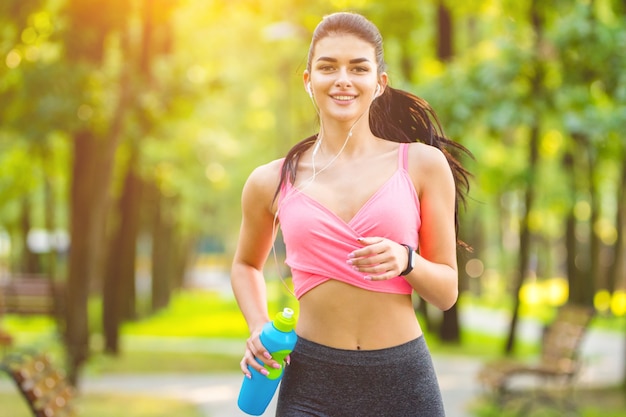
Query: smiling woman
x=367, y=208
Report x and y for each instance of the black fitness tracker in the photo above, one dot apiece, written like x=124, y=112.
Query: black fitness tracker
x=410, y=262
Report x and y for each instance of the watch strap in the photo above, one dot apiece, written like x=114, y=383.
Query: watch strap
x=409, y=264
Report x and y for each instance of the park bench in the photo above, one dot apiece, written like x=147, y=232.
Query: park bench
x=553, y=376
x=44, y=388
x=29, y=294
x=5, y=338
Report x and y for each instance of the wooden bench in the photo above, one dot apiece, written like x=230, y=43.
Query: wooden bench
x=30, y=294
x=553, y=375
x=43, y=387
x=5, y=338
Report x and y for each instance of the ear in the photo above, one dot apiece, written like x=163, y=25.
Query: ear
x=306, y=78
x=383, y=81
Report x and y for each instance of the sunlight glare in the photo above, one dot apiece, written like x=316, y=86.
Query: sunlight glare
x=13, y=59
x=197, y=74
x=215, y=172
x=618, y=303
x=551, y=142
x=602, y=301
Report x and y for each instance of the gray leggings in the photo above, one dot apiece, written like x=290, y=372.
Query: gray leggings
x=327, y=382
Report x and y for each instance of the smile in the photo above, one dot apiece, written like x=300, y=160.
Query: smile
x=343, y=98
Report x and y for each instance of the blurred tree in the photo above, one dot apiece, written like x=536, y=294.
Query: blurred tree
x=450, y=329
x=536, y=91
x=587, y=40
x=88, y=43
x=162, y=112
x=31, y=177
x=153, y=39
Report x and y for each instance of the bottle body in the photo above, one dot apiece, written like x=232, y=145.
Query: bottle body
x=279, y=339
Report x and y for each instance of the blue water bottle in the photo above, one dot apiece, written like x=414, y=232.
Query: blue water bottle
x=279, y=338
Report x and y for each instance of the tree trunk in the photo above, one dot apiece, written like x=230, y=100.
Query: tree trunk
x=529, y=199
x=449, y=331
x=91, y=170
x=571, y=242
x=86, y=219
x=445, y=47
x=162, y=259
x=595, y=278
x=525, y=235
x=618, y=266
x=119, y=282
x=29, y=261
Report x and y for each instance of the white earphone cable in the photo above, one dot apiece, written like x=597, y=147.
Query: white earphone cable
x=311, y=179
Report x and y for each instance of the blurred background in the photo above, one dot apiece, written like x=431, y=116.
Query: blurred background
x=128, y=127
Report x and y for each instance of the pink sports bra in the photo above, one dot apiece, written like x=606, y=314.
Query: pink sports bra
x=318, y=241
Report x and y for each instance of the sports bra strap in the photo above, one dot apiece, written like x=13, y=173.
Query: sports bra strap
x=403, y=156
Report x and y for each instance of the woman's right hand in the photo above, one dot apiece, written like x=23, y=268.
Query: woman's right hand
x=255, y=350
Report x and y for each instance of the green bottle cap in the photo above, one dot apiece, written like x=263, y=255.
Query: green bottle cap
x=285, y=321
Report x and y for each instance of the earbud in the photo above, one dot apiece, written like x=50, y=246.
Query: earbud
x=377, y=90
x=308, y=89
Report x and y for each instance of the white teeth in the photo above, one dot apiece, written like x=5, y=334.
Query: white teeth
x=343, y=98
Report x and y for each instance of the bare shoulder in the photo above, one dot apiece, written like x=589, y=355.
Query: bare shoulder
x=428, y=166
x=267, y=174
x=426, y=159
x=262, y=182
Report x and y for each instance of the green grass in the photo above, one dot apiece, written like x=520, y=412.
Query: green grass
x=193, y=314
x=605, y=402
x=101, y=405
x=175, y=339
x=142, y=362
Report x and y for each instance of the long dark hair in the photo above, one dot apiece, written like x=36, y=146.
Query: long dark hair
x=396, y=115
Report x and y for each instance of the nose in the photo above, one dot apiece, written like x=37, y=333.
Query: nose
x=343, y=78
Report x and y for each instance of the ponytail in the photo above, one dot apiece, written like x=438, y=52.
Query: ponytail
x=400, y=116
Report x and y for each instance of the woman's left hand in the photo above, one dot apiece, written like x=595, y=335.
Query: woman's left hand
x=380, y=258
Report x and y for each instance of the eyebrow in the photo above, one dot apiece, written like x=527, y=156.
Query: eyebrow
x=352, y=61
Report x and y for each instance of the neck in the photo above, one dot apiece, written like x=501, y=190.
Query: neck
x=335, y=134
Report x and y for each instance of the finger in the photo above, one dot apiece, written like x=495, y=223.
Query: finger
x=244, y=368
x=262, y=355
x=368, y=256
x=380, y=277
x=250, y=362
x=377, y=273
x=258, y=350
x=371, y=240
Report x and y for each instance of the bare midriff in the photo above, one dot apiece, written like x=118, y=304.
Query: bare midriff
x=342, y=316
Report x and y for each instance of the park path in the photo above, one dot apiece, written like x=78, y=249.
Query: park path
x=216, y=394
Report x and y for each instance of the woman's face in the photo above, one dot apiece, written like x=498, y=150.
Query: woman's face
x=343, y=77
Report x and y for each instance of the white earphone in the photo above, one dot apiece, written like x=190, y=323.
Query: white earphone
x=377, y=90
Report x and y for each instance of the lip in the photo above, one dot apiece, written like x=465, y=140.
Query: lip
x=343, y=98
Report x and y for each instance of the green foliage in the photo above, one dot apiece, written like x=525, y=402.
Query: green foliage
x=193, y=314
x=107, y=405
x=222, y=93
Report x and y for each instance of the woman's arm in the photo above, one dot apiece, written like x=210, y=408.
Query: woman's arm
x=435, y=274
x=256, y=235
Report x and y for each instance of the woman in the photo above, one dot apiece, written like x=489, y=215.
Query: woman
x=354, y=203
